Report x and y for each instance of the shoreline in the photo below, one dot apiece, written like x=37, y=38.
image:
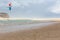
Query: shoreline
x=8, y=29
x=49, y=32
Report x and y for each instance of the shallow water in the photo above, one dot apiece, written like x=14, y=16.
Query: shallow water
x=23, y=27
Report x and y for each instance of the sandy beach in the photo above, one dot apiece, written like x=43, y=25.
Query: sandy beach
x=49, y=32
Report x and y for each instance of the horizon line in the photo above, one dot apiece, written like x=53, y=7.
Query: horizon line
x=29, y=18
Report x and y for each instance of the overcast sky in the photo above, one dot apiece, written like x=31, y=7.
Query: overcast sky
x=32, y=8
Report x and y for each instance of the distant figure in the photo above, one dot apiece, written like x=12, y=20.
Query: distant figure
x=4, y=15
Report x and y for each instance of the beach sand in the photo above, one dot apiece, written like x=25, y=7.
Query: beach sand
x=50, y=32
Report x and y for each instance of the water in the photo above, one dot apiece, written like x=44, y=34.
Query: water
x=14, y=21
x=5, y=29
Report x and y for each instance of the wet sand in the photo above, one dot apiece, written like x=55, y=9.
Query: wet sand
x=49, y=32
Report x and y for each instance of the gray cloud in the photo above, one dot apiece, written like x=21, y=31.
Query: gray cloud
x=24, y=8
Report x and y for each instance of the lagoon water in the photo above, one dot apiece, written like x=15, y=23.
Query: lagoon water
x=5, y=29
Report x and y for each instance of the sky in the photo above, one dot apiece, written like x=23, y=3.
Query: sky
x=31, y=8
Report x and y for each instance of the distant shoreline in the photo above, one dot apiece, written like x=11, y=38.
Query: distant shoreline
x=36, y=19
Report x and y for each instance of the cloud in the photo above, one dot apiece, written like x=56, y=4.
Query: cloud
x=22, y=3
x=56, y=8
x=34, y=8
x=31, y=8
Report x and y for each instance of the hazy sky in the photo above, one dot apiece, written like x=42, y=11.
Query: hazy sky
x=32, y=8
